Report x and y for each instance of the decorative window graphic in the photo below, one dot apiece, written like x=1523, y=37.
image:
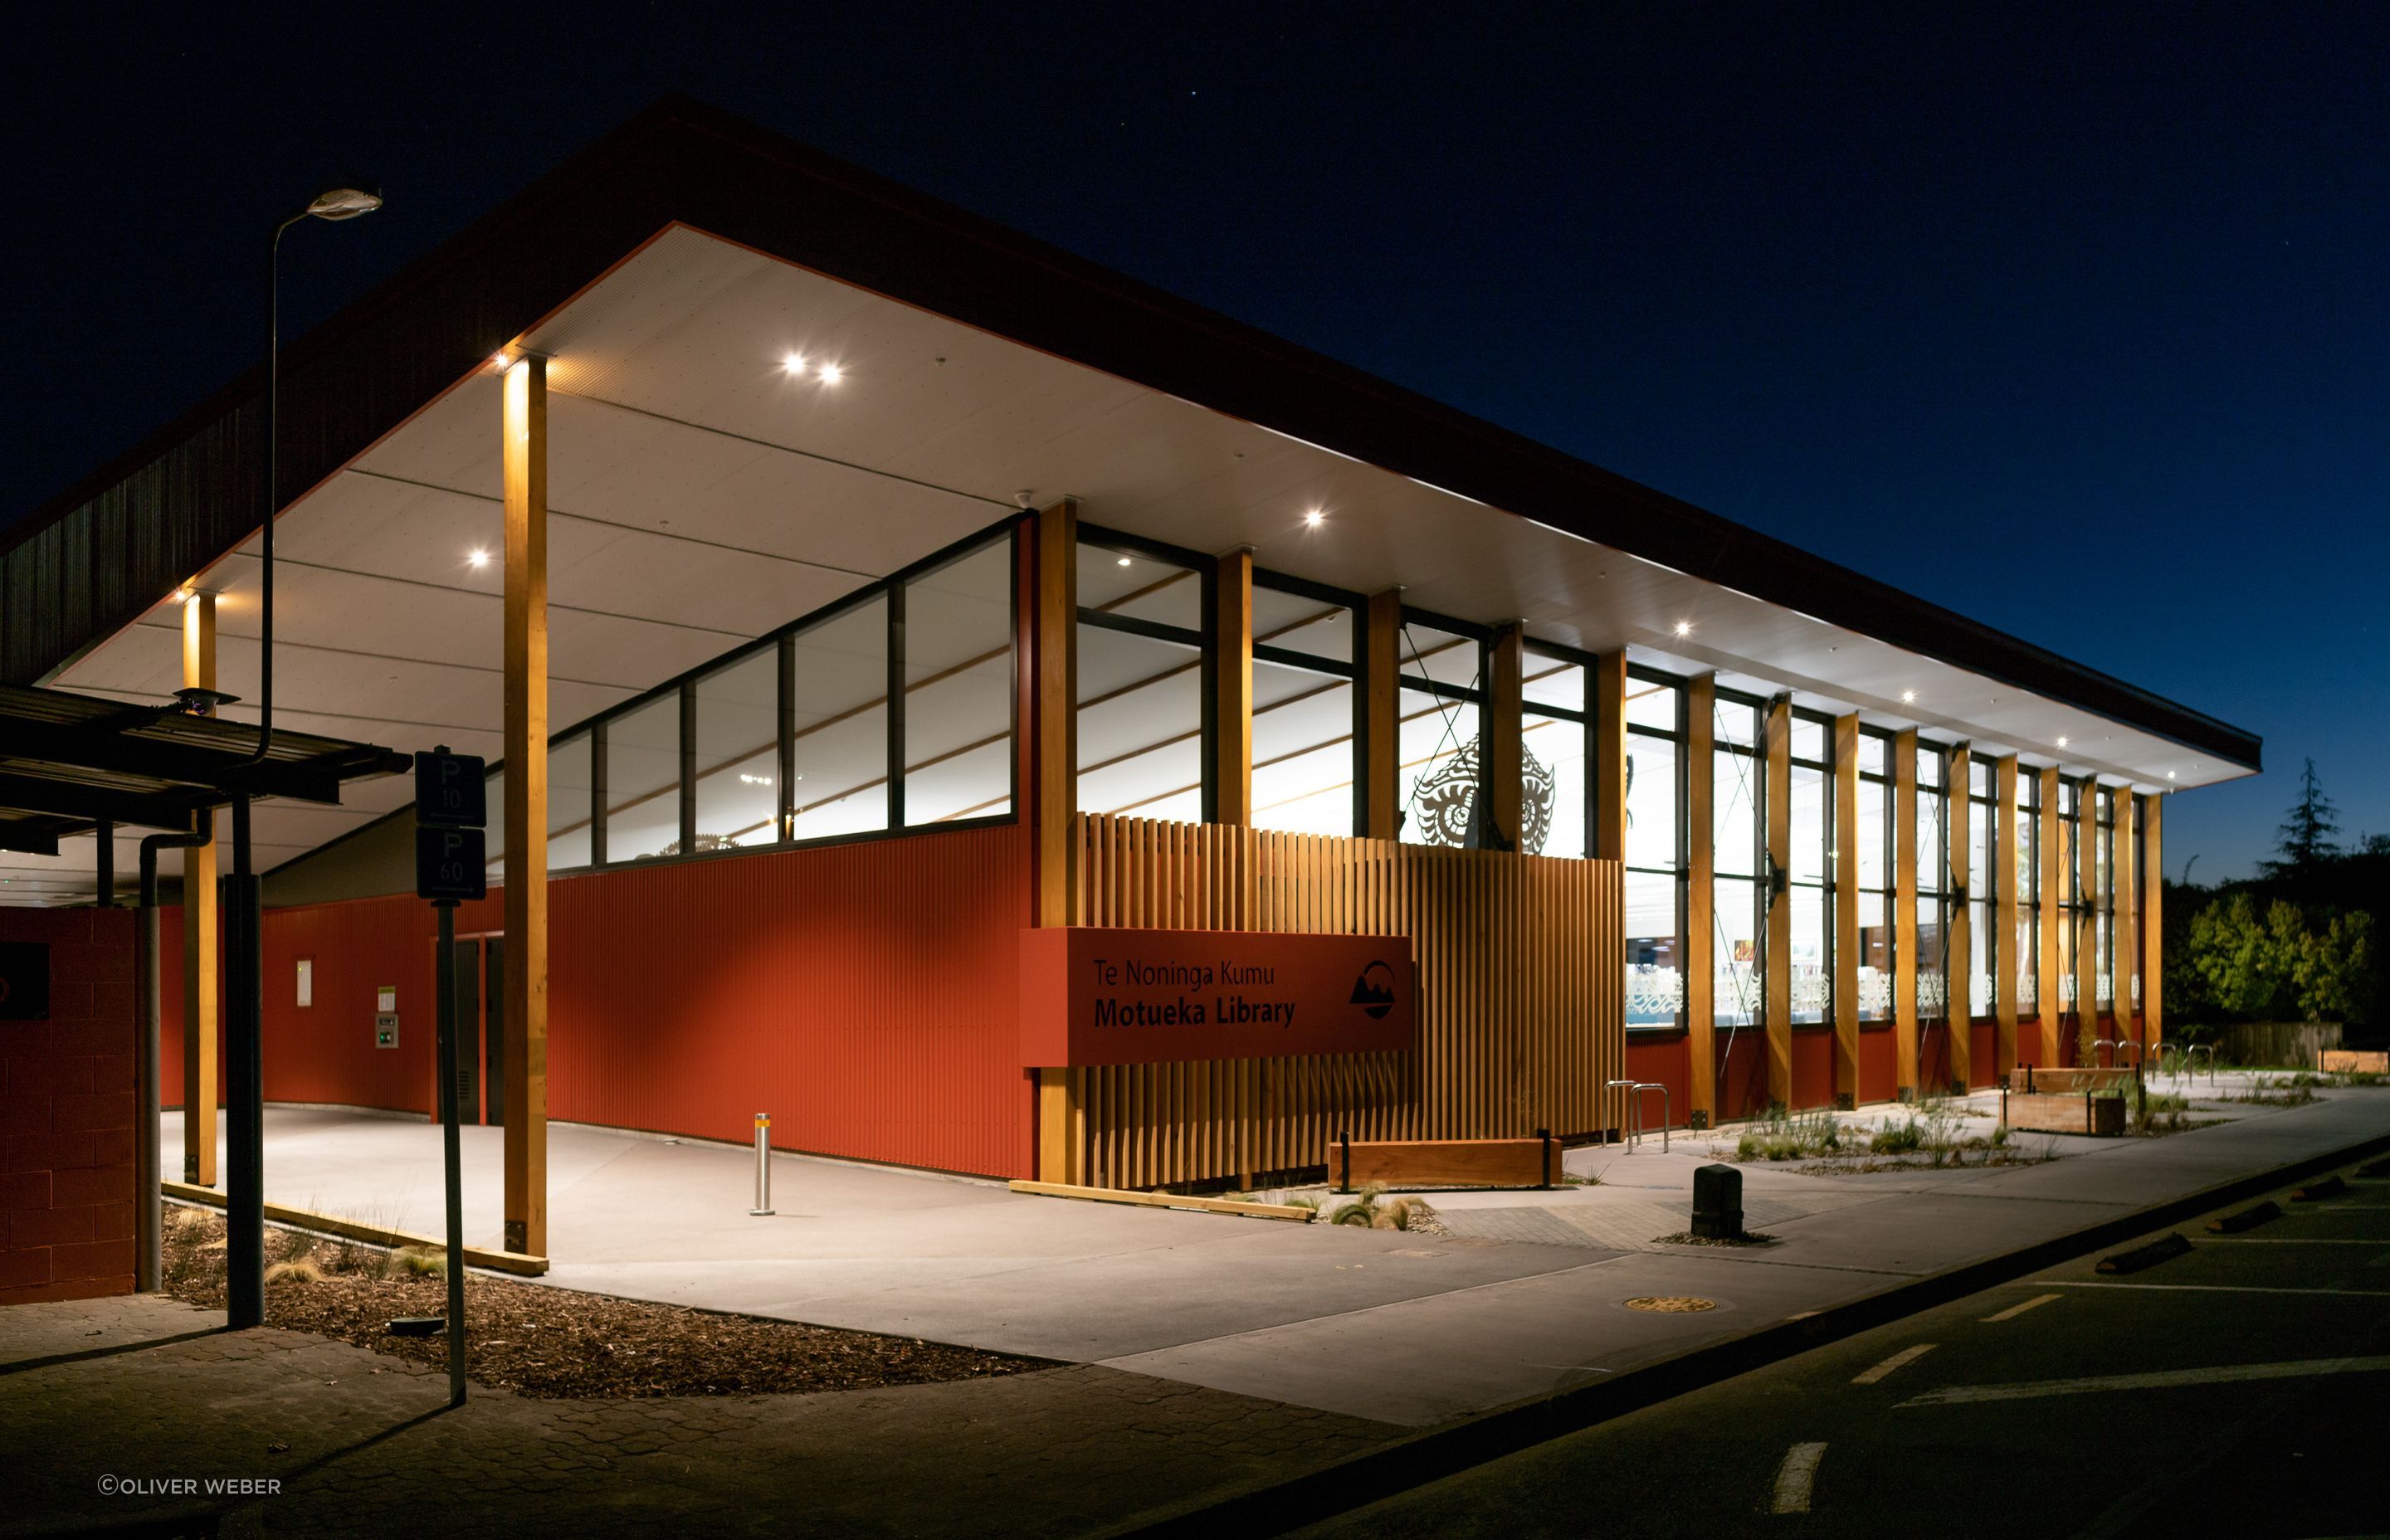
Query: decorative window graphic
x=1445, y=801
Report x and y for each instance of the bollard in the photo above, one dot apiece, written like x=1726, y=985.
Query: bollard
x=1717, y=1203
x=762, y=1166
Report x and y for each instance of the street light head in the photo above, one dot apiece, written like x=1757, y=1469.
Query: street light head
x=338, y=203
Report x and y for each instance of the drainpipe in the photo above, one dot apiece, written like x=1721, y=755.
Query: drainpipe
x=149, y=1216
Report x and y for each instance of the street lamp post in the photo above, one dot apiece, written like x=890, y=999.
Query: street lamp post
x=244, y=946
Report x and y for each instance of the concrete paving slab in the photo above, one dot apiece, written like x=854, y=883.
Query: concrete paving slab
x=1395, y=1328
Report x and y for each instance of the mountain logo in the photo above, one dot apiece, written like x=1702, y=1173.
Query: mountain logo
x=1374, y=991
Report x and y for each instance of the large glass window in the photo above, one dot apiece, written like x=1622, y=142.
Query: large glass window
x=1140, y=683
x=1307, y=725
x=568, y=804
x=1737, y=844
x=643, y=780
x=1656, y=850
x=1810, y=888
x=1874, y=807
x=1555, y=735
x=2027, y=813
x=1441, y=780
x=738, y=760
x=791, y=737
x=1983, y=881
x=1933, y=883
x=2070, y=893
x=959, y=688
x=2103, y=890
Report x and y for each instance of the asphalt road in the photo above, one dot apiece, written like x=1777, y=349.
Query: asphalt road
x=2241, y=1387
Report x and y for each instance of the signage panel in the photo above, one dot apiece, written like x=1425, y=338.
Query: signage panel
x=1104, y=996
x=451, y=862
x=452, y=790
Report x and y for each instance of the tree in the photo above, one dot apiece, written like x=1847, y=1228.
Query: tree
x=2334, y=972
x=2243, y=958
x=2306, y=837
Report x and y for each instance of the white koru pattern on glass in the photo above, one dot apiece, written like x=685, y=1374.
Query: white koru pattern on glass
x=2105, y=988
x=1932, y=995
x=1980, y=1002
x=1447, y=797
x=1875, y=991
x=2137, y=992
x=1654, y=994
x=1813, y=991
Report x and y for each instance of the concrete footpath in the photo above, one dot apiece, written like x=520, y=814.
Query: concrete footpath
x=1210, y=1356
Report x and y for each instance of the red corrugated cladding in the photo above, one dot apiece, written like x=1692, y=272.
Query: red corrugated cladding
x=862, y=994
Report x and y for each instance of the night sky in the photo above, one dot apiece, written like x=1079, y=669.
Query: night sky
x=2079, y=327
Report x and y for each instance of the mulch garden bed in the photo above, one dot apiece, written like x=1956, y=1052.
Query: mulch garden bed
x=554, y=1342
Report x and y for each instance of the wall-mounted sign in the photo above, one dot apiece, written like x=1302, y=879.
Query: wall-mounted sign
x=24, y=980
x=1095, y=995
x=386, y=998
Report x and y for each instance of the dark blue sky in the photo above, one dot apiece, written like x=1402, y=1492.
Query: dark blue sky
x=2079, y=327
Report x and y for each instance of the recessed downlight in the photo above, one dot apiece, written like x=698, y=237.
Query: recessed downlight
x=1684, y=628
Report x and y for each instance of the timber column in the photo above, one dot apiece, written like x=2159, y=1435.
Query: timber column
x=2153, y=924
x=201, y=943
x=1054, y=536
x=523, y=435
x=1903, y=913
x=1699, y=962
x=2046, y=1005
x=1958, y=933
x=1506, y=742
x=1606, y=841
x=1776, y=949
x=2006, y=974
x=1846, y=911
x=1231, y=782
x=1382, y=717
x=2123, y=955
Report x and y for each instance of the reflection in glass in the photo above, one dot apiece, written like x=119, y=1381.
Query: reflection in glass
x=1655, y=983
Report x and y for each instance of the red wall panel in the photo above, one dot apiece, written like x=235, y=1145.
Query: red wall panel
x=862, y=994
x=1983, y=1047
x=1878, y=1070
x=1813, y=1069
x=1666, y=1059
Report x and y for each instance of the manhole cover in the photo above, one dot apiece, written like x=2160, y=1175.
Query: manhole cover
x=1671, y=1304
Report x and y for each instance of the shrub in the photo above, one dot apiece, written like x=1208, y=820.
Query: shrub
x=422, y=1261
x=296, y=1270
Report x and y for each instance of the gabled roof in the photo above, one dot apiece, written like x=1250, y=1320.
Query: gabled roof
x=90, y=561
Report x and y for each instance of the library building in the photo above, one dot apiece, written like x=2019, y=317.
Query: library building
x=1006, y=720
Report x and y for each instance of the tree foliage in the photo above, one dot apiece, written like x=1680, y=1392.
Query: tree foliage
x=2277, y=962
x=2305, y=837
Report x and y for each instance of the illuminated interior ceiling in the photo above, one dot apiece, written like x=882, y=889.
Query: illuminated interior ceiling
x=704, y=492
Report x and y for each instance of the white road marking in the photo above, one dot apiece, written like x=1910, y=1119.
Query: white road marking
x=2160, y=1379
x=1905, y=1355
x=2012, y=1311
x=2282, y=1241
x=2213, y=1288
x=1796, y=1477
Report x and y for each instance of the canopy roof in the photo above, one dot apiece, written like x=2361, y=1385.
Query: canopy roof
x=703, y=495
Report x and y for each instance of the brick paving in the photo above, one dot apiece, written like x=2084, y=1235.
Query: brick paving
x=361, y=1442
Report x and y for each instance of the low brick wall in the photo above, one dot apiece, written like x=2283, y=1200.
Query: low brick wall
x=66, y=1112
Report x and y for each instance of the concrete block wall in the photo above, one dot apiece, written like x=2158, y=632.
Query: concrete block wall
x=67, y=1111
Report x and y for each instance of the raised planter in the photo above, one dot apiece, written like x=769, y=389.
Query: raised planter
x=2053, y=1112
x=1443, y=1163
x=2355, y=1061
x=2028, y=1079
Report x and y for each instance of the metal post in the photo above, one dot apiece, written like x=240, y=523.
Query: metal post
x=1665, y=1116
x=148, y=1215
x=452, y=1177
x=762, y=1166
x=244, y=1089
x=1630, y=1121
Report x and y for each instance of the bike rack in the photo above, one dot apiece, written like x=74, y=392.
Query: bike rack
x=2100, y=1043
x=2210, y=1052
x=1630, y=1125
x=2176, y=1049
x=1642, y=1086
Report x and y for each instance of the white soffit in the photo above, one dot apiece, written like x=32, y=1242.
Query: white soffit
x=701, y=494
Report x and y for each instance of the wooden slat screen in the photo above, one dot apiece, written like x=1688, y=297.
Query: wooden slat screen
x=1522, y=1019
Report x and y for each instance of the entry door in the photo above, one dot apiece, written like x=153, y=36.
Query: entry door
x=493, y=1031
x=469, y=1031
x=480, y=1030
